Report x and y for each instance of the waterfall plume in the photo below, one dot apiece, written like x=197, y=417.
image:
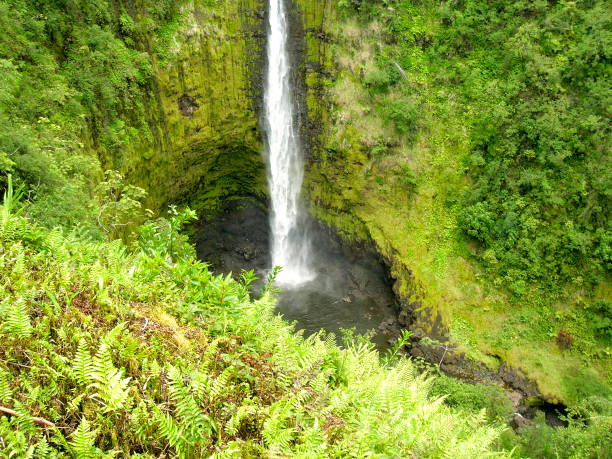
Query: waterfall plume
x=290, y=247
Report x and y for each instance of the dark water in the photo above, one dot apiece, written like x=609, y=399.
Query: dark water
x=351, y=289
x=314, y=309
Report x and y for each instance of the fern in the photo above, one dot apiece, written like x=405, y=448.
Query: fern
x=243, y=412
x=140, y=422
x=272, y=392
x=197, y=425
x=6, y=393
x=82, y=366
x=169, y=429
x=210, y=353
x=103, y=363
x=82, y=442
x=113, y=334
x=114, y=391
x=201, y=384
x=9, y=223
x=17, y=322
x=101, y=374
x=221, y=385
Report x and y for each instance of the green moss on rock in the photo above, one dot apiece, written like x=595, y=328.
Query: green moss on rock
x=204, y=143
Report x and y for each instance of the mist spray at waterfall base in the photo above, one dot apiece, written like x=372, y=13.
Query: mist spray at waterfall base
x=290, y=244
x=352, y=289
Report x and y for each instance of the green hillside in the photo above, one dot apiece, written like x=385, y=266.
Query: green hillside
x=467, y=142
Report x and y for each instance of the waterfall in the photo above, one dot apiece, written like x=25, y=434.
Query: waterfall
x=290, y=247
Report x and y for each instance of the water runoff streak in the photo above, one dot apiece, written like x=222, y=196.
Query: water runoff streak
x=290, y=247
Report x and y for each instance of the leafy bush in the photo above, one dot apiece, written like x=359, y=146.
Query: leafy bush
x=530, y=82
x=587, y=436
x=379, y=80
x=600, y=313
x=72, y=92
x=475, y=397
x=541, y=178
x=134, y=354
x=404, y=114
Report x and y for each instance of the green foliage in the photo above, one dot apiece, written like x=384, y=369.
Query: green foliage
x=162, y=236
x=82, y=366
x=119, y=203
x=236, y=381
x=16, y=320
x=71, y=97
x=379, y=80
x=512, y=149
x=602, y=310
x=11, y=200
x=82, y=443
x=586, y=436
x=475, y=397
x=409, y=178
x=531, y=84
x=403, y=113
x=540, y=136
x=393, y=353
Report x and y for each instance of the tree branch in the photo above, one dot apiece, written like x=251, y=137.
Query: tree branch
x=37, y=420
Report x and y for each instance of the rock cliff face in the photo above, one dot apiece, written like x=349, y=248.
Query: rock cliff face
x=205, y=140
x=202, y=107
x=336, y=154
x=204, y=99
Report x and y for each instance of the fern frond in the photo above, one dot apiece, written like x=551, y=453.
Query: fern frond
x=113, y=334
x=221, y=385
x=6, y=393
x=42, y=448
x=17, y=322
x=111, y=386
x=82, y=366
x=82, y=442
x=103, y=363
x=201, y=384
x=196, y=423
x=243, y=412
x=169, y=429
x=211, y=352
x=9, y=212
x=114, y=391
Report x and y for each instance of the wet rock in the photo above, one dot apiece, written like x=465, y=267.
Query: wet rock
x=517, y=381
x=187, y=105
x=237, y=239
x=520, y=422
x=360, y=276
x=388, y=327
x=248, y=252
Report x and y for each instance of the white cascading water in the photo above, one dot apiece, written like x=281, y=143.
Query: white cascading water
x=290, y=247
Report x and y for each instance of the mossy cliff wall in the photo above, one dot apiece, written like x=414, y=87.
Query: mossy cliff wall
x=204, y=142
x=377, y=186
x=202, y=107
x=335, y=185
x=203, y=104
